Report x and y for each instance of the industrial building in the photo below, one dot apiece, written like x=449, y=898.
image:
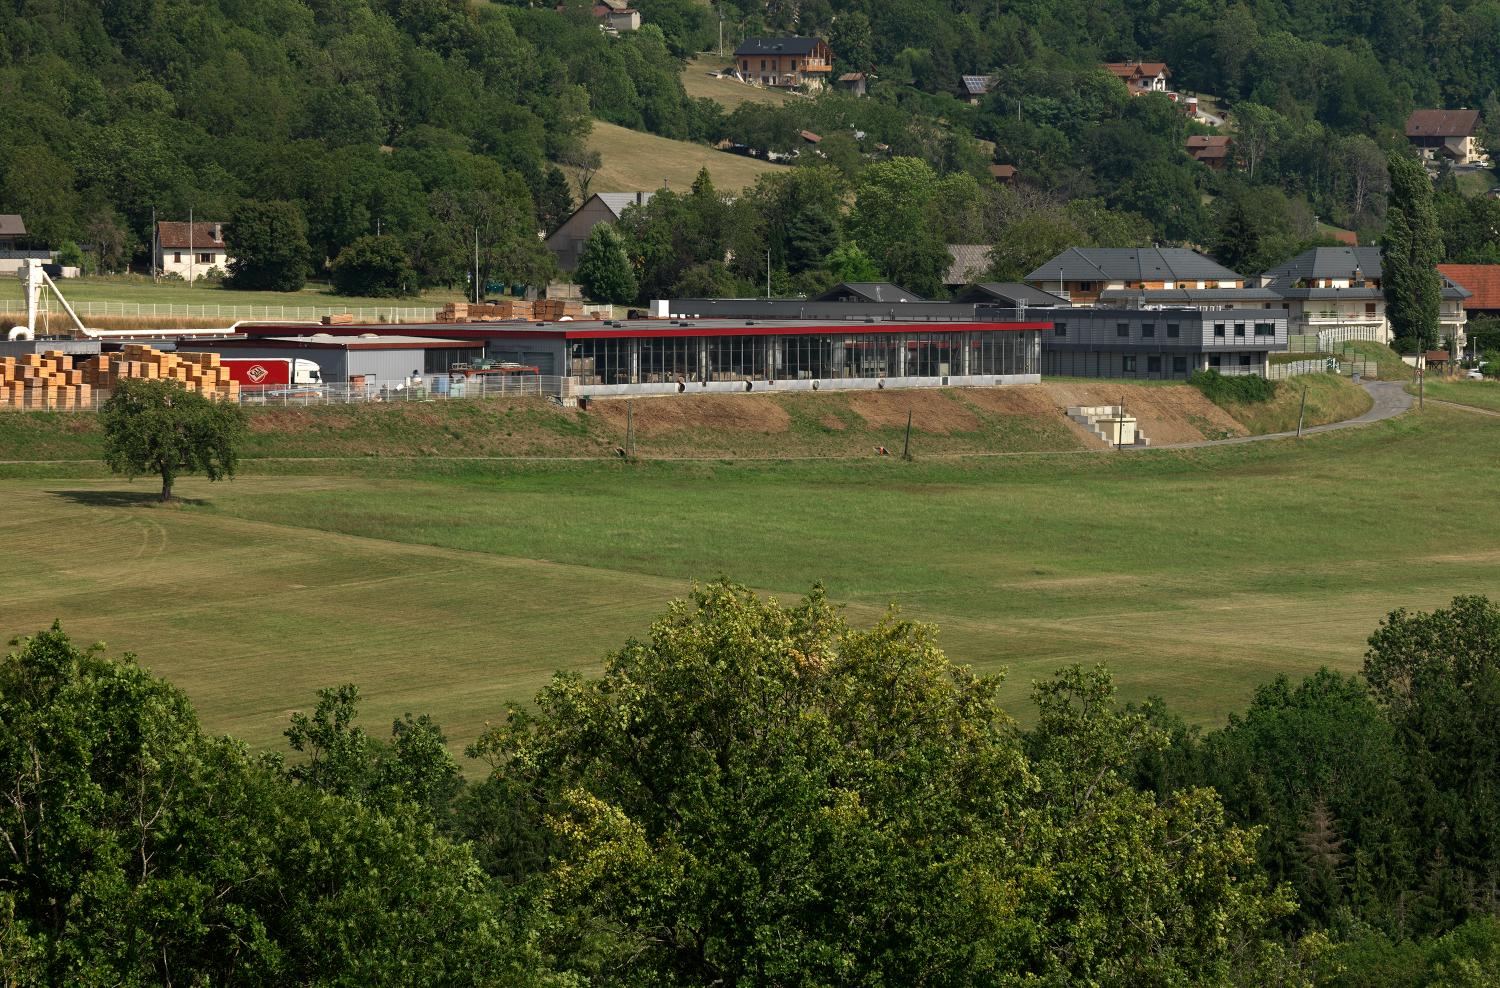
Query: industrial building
x=661, y=356
x=1161, y=344
x=374, y=359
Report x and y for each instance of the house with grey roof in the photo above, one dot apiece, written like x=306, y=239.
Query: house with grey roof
x=1083, y=274
x=867, y=291
x=566, y=242
x=784, y=63
x=1337, y=292
x=1161, y=344
x=12, y=229
x=1011, y=294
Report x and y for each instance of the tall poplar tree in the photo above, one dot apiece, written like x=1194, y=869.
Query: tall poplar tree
x=1409, y=253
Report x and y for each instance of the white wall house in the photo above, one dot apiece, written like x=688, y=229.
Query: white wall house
x=190, y=251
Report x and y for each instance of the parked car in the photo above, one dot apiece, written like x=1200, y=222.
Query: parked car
x=1475, y=375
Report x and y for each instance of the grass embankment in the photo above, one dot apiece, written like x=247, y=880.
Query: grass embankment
x=1477, y=394
x=453, y=587
x=1330, y=398
x=840, y=424
x=728, y=93
x=635, y=161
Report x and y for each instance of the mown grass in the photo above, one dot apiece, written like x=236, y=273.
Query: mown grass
x=1478, y=394
x=454, y=587
x=141, y=289
x=636, y=161
x=728, y=93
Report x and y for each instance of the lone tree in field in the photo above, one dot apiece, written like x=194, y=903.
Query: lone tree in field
x=1409, y=253
x=162, y=428
x=603, y=269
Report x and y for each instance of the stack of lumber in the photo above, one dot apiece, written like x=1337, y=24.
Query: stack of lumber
x=43, y=380
x=196, y=371
x=339, y=319
x=542, y=310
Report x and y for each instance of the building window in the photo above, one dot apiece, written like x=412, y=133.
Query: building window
x=763, y=65
x=205, y=258
x=1153, y=365
x=1148, y=329
x=177, y=257
x=1265, y=329
x=1060, y=329
x=1239, y=329
x=1219, y=330
x=1244, y=360
x=1179, y=365
x=1369, y=308
x=1214, y=360
x=1174, y=330
x=1122, y=329
x=1130, y=365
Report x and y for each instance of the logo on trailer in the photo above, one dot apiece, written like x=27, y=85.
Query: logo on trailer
x=257, y=374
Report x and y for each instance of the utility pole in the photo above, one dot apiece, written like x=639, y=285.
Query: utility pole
x=1302, y=410
x=1120, y=426
x=906, y=447
x=768, y=272
x=476, y=265
x=190, y=246
x=154, y=240
x=629, y=429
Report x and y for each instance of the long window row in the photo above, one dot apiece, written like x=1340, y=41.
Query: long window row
x=665, y=360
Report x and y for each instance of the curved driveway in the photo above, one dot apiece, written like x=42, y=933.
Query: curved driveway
x=1389, y=399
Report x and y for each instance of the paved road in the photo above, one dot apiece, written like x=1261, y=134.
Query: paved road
x=1389, y=400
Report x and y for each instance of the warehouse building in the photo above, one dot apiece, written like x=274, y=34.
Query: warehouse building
x=1161, y=344
x=377, y=359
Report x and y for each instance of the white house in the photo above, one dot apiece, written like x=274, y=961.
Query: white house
x=190, y=250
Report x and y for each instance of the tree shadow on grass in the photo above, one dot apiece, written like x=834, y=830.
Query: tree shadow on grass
x=125, y=499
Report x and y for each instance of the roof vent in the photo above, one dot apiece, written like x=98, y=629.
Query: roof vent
x=749, y=322
x=322, y=336
x=369, y=336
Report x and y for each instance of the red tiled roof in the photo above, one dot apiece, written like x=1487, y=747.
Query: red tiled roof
x=1130, y=70
x=810, y=137
x=1441, y=123
x=1482, y=280
x=1207, y=141
x=174, y=236
x=1003, y=171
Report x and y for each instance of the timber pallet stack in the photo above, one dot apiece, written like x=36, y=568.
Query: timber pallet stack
x=43, y=380
x=196, y=371
x=541, y=310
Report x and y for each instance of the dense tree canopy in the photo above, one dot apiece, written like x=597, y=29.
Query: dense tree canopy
x=760, y=793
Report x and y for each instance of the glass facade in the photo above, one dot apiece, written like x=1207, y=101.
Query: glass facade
x=813, y=356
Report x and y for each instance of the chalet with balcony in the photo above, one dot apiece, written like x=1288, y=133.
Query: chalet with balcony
x=1141, y=77
x=1336, y=291
x=1446, y=134
x=1083, y=275
x=784, y=63
x=1481, y=281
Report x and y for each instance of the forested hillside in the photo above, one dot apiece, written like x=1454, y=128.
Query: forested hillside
x=427, y=119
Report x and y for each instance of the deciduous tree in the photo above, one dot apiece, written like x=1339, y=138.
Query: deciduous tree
x=603, y=269
x=161, y=428
x=267, y=244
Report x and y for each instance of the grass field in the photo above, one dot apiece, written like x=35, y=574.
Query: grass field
x=727, y=92
x=637, y=161
x=453, y=587
x=1330, y=398
x=1479, y=394
x=140, y=289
